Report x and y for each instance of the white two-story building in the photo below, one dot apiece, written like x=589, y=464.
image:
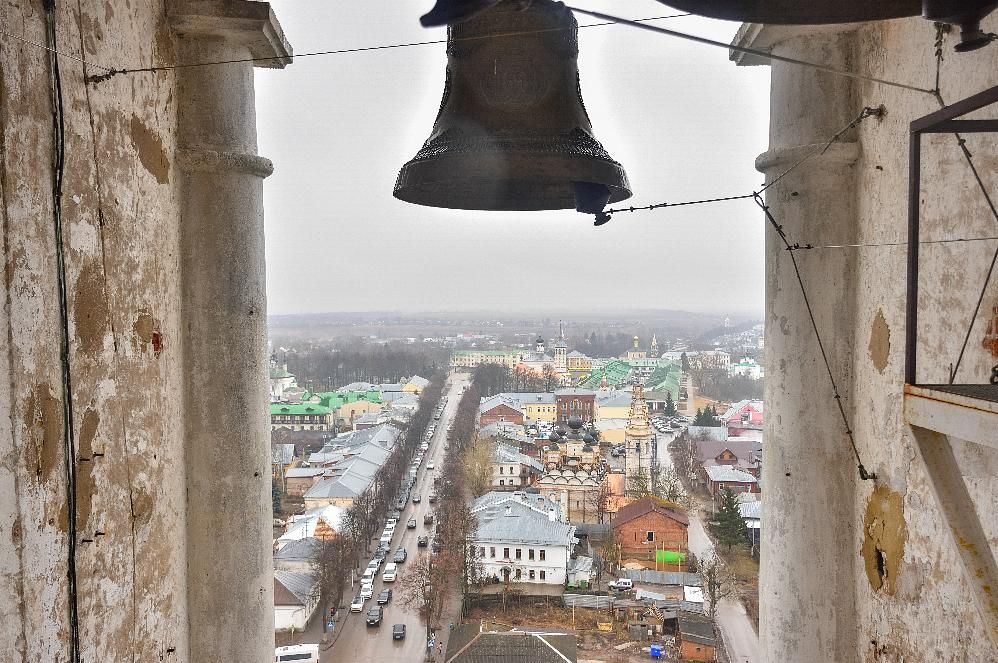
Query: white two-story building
x=517, y=543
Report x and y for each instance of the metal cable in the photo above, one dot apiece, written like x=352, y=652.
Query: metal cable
x=114, y=72
x=43, y=47
x=750, y=51
x=863, y=474
x=69, y=444
x=869, y=111
x=941, y=30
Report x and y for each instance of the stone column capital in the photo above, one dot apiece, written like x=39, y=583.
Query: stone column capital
x=246, y=22
x=778, y=159
x=768, y=37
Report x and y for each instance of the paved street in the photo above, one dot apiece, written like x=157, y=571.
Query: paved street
x=740, y=637
x=357, y=641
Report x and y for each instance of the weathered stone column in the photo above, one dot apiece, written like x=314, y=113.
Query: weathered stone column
x=808, y=535
x=223, y=316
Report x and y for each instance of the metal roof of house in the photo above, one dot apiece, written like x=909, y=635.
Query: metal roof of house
x=304, y=472
x=695, y=628
x=735, y=408
x=293, y=587
x=574, y=391
x=492, y=402
x=418, y=381
x=507, y=454
x=518, y=523
x=616, y=398
x=727, y=473
x=468, y=644
x=297, y=550
x=645, y=506
x=492, y=502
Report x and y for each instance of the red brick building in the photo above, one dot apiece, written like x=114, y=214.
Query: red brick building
x=648, y=525
x=575, y=403
x=695, y=639
x=497, y=409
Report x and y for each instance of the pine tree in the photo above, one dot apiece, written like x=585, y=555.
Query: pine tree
x=728, y=525
x=275, y=497
x=670, y=406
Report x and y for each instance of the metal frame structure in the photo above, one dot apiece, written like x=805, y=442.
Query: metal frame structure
x=945, y=120
x=943, y=417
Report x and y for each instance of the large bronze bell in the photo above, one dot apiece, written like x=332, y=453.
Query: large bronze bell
x=965, y=13
x=512, y=132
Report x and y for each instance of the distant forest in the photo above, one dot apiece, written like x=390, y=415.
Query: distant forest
x=320, y=367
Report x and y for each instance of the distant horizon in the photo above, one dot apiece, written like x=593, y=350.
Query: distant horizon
x=565, y=314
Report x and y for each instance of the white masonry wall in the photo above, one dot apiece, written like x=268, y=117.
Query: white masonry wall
x=858, y=570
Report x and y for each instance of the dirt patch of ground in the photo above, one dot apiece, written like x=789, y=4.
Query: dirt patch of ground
x=593, y=644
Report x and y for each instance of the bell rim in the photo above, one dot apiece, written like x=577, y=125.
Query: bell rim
x=437, y=182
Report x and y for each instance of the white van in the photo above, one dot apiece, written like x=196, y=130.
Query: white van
x=390, y=570
x=621, y=584
x=297, y=653
x=368, y=576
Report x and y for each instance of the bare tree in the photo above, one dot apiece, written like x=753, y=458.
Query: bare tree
x=706, y=370
x=418, y=587
x=330, y=563
x=598, y=500
x=670, y=487
x=550, y=377
x=718, y=581
x=478, y=465
x=609, y=551
x=639, y=486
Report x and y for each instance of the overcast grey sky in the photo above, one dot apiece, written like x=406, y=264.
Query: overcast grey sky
x=684, y=121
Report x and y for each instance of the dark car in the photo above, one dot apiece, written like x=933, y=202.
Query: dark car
x=433, y=498
x=398, y=632
x=428, y=519
x=374, y=616
x=416, y=499
x=400, y=505
x=397, y=515
x=385, y=596
x=436, y=546
x=400, y=555
x=423, y=541
x=411, y=524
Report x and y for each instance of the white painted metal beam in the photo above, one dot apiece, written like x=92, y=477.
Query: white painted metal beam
x=970, y=419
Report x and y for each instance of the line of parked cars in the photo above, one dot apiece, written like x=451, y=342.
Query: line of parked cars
x=375, y=615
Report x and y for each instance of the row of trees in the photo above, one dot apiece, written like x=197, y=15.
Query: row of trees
x=324, y=367
x=334, y=556
x=491, y=379
x=429, y=578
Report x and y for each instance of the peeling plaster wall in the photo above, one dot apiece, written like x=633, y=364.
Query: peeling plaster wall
x=120, y=233
x=929, y=615
x=860, y=570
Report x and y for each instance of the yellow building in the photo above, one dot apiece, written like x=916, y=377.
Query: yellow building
x=415, y=385
x=538, y=407
x=611, y=431
x=612, y=405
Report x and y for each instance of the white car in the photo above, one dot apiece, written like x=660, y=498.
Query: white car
x=366, y=591
x=430, y=465
x=357, y=605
